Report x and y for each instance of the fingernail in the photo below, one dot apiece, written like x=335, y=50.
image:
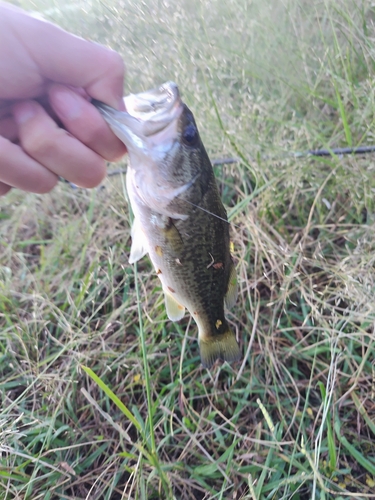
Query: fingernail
x=66, y=103
x=24, y=111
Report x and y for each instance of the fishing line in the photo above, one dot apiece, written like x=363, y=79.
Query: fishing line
x=334, y=151
x=311, y=152
x=359, y=150
x=208, y=212
x=288, y=154
x=303, y=154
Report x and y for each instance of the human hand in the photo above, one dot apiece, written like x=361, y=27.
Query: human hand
x=48, y=128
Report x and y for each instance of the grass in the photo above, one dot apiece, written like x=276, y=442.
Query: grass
x=103, y=397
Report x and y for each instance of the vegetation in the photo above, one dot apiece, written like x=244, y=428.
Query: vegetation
x=102, y=396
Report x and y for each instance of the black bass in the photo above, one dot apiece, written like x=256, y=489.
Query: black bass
x=179, y=219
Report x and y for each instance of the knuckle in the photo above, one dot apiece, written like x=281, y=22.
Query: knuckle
x=116, y=62
x=38, y=144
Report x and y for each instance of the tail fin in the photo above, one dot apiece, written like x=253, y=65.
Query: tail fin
x=223, y=346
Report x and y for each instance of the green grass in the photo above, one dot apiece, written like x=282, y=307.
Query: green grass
x=102, y=396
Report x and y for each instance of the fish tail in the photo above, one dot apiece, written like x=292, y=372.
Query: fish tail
x=223, y=346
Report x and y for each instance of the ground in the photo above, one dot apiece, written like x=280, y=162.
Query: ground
x=102, y=396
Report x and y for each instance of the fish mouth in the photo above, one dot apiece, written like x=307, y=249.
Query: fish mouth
x=154, y=105
x=151, y=114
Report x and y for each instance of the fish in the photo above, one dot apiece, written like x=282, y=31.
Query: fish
x=179, y=218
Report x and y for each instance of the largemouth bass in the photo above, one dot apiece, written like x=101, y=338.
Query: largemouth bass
x=179, y=219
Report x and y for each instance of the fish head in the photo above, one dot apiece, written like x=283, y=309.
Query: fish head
x=166, y=154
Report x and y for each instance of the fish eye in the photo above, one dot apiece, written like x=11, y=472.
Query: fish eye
x=190, y=133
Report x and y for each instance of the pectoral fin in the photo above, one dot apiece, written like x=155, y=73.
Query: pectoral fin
x=175, y=310
x=232, y=291
x=172, y=235
x=139, y=243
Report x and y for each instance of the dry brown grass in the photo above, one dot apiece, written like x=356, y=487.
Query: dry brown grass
x=294, y=419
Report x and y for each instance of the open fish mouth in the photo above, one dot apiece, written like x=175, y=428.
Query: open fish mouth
x=153, y=104
x=151, y=114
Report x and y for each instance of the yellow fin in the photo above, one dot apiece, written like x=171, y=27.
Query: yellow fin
x=175, y=310
x=232, y=291
x=223, y=346
x=139, y=243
